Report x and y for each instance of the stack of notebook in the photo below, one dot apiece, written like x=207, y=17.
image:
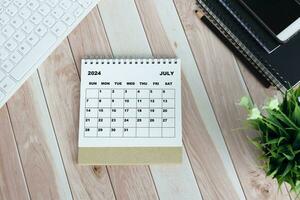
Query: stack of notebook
x=278, y=63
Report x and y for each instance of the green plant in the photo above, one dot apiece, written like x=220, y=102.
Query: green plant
x=278, y=126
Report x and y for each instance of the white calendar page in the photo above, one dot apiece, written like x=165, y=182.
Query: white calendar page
x=130, y=103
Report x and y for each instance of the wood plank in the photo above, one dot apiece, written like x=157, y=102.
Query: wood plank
x=176, y=181
x=39, y=152
x=221, y=77
x=89, y=39
x=124, y=179
x=121, y=38
x=170, y=190
x=172, y=182
x=132, y=182
x=259, y=93
x=12, y=180
x=61, y=86
x=172, y=26
x=160, y=44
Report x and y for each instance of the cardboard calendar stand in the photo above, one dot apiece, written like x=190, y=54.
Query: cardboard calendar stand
x=129, y=155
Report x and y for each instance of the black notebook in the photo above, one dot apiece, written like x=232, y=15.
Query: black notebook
x=277, y=63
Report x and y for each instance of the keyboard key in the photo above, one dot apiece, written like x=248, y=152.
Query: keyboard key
x=2, y=39
x=19, y=36
x=33, y=56
x=7, y=84
x=65, y=4
x=52, y=3
x=33, y=4
x=24, y=48
x=74, y=7
x=44, y=9
x=15, y=57
x=17, y=22
x=25, y=13
x=1, y=96
x=68, y=19
x=4, y=18
x=10, y=45
x=57, y=12
x=85, y=3
x=27, y=27
x=59, y=28
x=33, y=39
x=7, y=66
x=78, y=11
x=5, y=2
x=8, y=31
x=11, y=10
x=20, y=3
x=41, y=30
x=36, y=18
x=3, y=53
x=2, y=75
x=49, y=21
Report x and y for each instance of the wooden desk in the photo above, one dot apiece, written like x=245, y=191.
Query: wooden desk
x=39, y=125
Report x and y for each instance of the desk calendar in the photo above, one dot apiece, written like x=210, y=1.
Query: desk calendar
x=130, y=111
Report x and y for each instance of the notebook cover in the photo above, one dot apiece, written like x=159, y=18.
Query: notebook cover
x=281, y=67
x=259, y=33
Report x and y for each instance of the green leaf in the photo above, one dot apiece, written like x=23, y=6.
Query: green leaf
x=289, y=153
x=246, y=103
x=275, y=141
x=256, y=144
x=254, y=114
x=283, y=118
x=296, y=143
x=287, y=169
x=272, y=126
x=279, y=137
x=296, y=188
x=287, y=156
x=280, y=140
x=272, y=105
x=296, y=115
x=285, y=104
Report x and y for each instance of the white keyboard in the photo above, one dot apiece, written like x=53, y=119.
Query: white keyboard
x=29, y=31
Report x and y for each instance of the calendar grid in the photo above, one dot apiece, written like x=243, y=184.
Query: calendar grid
x=136, y=135
x=110, y=115
x=114, y=105
x=123, y=115
x=161, y=129
x=98, y=117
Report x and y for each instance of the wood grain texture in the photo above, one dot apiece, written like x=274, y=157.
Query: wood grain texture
x=222, y=187
x=221, y=77
x=172, y=26
x=37, y=143
x=256, y=90
x=259, y=94
x=166, y=189
x=61, y=82
x=89, y=39
x=39, y=125
x=12, y=180
x=134, y=176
